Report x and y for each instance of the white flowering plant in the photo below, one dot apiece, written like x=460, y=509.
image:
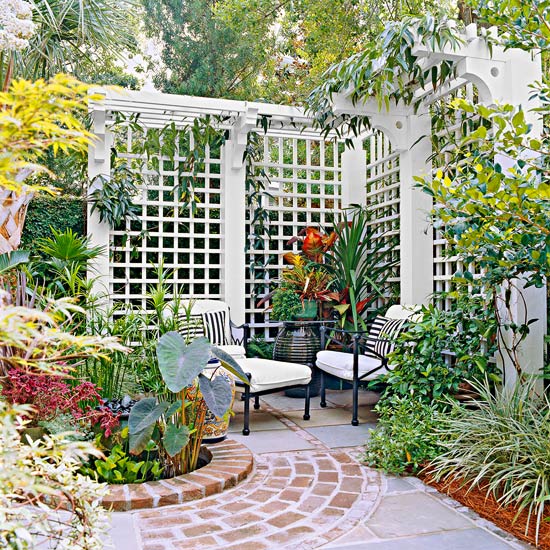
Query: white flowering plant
x=16, y=25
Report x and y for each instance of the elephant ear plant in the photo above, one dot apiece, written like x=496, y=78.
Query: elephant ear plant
x=177, y=425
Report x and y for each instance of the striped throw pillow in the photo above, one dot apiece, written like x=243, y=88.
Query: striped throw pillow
x=214, y=327
x=386, y=340
x=374, y=334
x=190, y=326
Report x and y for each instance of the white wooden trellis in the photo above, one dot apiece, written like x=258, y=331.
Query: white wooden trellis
x=206, y=250
x=310, y=177
x=499, y=76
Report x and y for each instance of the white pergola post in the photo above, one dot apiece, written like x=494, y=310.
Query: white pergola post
x=409, y=135
x=354, y=175
x=416, y=233
x=99, y=164
x=234, y=215
x=521, y=69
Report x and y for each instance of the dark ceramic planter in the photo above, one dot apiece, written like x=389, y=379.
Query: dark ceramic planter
x=299, y=343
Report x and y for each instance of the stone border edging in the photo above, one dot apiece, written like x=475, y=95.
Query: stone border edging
x=231, y=462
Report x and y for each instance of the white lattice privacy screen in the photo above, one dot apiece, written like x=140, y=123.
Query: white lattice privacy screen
x=304, y=189
x=201, y=251
x=383, y=202
x=447, y=132
x=186, y=245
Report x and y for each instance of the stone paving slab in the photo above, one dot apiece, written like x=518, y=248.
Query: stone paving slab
x=466, y=539
x=272, y=441
x=327, y=417
x=344, y=436
x=259, y=421
x=413, y=514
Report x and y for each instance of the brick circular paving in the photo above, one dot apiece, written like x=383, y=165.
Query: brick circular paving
x=295, y=500
x=230, y=463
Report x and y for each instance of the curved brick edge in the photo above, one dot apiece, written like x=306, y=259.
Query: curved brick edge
x=231, y=463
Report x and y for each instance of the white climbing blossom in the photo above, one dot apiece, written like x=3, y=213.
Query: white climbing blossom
x=16, y=26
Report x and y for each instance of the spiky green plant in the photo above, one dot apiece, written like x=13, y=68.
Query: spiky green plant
x=502, y=445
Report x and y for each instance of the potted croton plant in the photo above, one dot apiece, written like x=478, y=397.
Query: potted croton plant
x=305, y=285
x=303, y=288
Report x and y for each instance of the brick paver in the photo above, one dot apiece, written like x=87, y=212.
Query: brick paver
x=283, y=504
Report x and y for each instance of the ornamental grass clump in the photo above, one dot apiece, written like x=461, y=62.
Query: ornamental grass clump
x=501, y=446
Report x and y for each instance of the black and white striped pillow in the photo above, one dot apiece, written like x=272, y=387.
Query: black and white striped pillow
x=374, y=334
x=214, y=327
x=190, y=326
x=386, y=340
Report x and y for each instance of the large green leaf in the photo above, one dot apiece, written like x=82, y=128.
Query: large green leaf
x=10, y=260
x=138, y=441
x=142, y=421
x=174, y=408
x=144, y=413
x=175, y=438
x=217, y=394
x=179, y=363
x=230, y=364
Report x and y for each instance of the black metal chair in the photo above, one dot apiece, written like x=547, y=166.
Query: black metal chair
x=369, y=350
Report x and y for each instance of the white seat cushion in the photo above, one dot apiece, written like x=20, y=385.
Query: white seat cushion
x=237, y=352
x=269, y=375
x=341, y=364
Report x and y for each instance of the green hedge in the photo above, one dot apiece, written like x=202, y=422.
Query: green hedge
x=45, y=212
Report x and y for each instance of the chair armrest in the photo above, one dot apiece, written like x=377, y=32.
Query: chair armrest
x=355, y=334
x=246, y=333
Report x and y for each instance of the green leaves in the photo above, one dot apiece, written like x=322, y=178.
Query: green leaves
x=385, y=69
x=181, y=366
x=216, y=393
x=175, y=438
x=141, y=423
x=229, y=363
x=179, y=363
x=10, y=260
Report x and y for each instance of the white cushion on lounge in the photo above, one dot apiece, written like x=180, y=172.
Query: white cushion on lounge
x=269, y=375
x=341, y=364
x=237, y=352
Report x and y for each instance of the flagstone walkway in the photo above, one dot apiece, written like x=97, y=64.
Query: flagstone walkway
x=309, y=490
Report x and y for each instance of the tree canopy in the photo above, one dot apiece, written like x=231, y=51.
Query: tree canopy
x=260, y=49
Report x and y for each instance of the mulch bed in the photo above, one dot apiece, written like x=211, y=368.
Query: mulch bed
x=488, y=507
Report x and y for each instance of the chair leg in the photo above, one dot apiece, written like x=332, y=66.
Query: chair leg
x=306, y=410
x=256, y=402
x=323, y=390
x=246, y=428
x=354, y=420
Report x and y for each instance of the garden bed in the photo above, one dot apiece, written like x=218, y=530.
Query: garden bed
x=488, y=507
x=229, y=463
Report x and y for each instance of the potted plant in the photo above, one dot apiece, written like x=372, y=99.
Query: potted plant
x=176, y=424
x=303, y=287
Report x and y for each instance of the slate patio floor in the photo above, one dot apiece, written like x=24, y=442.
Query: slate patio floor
x=309, y=490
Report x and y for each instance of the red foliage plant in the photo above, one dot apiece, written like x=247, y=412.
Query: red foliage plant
x=51, y=395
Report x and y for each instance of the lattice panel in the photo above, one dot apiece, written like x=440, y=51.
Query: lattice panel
x=452, y=131
x=305, y=190
x=188, y=246
x=383, y=203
